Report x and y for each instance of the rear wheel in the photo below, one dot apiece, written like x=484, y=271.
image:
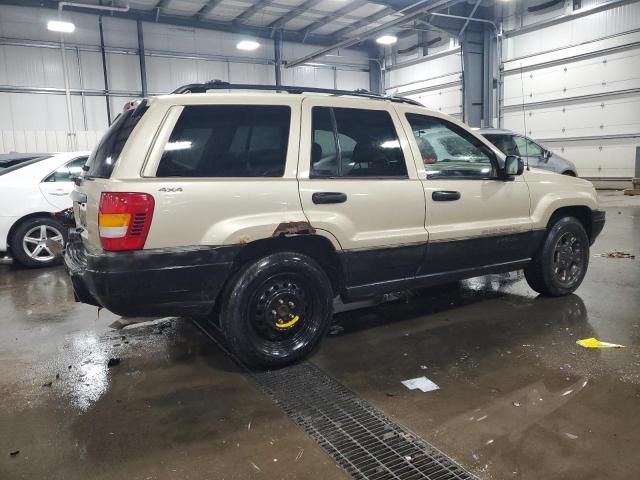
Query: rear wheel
x=561, y=263
x=276, y=310
x=30, y=242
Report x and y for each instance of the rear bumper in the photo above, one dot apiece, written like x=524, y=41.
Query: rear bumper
x=176, y=281
x=597, y=224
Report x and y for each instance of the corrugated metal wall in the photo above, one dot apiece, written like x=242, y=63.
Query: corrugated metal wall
x=32, y=100
x=434, y=80
x=575, y=84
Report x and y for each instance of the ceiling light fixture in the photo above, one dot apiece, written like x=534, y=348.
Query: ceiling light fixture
x=387, y=39
x=60, y=26
x=247, y=45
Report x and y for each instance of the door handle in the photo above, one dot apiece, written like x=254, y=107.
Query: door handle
x=321, y=198
x=59, y=194
x=445, y=196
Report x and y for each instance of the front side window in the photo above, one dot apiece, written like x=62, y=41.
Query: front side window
x=355, y=143
x=228, y=141
x=449, y=151
x=527, y=148
x=66, y=172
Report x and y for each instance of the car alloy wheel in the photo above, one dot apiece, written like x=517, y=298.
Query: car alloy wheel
x=35, y=240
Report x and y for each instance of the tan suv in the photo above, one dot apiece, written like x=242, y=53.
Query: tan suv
x=260, y=208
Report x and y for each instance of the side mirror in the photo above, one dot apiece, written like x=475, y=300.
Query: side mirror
x=513, y=165
x=547, y=155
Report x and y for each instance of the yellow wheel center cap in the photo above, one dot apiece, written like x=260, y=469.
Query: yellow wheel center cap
x=288, y=324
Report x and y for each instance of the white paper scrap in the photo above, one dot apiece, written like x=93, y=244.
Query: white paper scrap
x=420, y=383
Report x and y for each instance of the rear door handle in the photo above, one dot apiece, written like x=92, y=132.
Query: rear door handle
x=321, y=198
x=445, y=196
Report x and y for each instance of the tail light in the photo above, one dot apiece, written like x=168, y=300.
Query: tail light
x=124, y=220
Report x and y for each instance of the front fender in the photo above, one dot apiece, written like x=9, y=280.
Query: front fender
x=551, y=191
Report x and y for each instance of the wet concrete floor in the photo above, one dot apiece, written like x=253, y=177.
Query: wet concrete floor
x=518, y=398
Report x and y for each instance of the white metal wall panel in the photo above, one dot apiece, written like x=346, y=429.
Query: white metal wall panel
x=600, y=24
x=308, y=76
x=175, y=56
x=602, y=74
x=123, y=72
x=442, y=65
x=599, y=159
x=445, y=100
x=352, y=80
x=253, y=73
x=579, y=82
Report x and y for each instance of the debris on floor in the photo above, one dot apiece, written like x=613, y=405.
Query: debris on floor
x=516, y=404
x=13, y=453
x=336, y=330
x=421, y=383
x=616, y=254
x=595, y=343
x=48, y=384
x=113, y=362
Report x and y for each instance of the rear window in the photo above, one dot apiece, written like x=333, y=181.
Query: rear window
x=103, y=158
x=228, y=141
x=17, y=166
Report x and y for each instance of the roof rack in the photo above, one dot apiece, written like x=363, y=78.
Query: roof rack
x=221, y=85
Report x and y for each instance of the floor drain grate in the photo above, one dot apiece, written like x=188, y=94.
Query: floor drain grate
x=360, y=438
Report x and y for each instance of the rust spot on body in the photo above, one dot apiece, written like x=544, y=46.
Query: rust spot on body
x=294, y=228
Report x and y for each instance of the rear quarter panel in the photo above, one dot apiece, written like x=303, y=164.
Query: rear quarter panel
x=200, y=211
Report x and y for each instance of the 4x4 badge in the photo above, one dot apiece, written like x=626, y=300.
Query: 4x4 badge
x=170, y=189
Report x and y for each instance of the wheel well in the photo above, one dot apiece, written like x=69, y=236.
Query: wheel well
x=20, y=221
x=569, y=172
x=315, y=246
x=582, y=213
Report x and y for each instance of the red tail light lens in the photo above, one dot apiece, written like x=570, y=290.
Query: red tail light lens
x=124, y=220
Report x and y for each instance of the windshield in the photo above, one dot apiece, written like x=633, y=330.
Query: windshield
x=13, y=168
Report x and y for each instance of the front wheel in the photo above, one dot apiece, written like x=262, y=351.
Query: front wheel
x=561, y=263
x=276, y=310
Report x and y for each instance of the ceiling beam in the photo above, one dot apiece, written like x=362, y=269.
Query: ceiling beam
x=296, y=12
x=249, y=12
x=181, y=21
x=333, y=16
x=344, y=32
x=410, y=13
x=206, y=8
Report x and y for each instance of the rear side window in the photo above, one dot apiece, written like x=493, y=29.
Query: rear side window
x=66, y=172
x=103, y=158
x=504, y=143
x=353, y=142
x=228, y=141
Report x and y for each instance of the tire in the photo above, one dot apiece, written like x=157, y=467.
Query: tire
x=560, y=265
x=276, y=310
x=29, y=236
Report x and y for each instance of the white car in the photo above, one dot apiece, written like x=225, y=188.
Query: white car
x=29, y=193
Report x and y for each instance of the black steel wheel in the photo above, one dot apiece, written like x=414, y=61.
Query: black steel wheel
x=561, y=263
x=276, y=310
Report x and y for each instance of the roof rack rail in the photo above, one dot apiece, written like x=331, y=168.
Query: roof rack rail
x=221, y=85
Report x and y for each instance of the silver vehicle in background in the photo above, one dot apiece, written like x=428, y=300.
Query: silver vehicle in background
x=512, y=143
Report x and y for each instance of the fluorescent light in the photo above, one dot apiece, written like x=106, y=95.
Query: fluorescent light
x=387, y=39
x=60, y=26
x=248, y=45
